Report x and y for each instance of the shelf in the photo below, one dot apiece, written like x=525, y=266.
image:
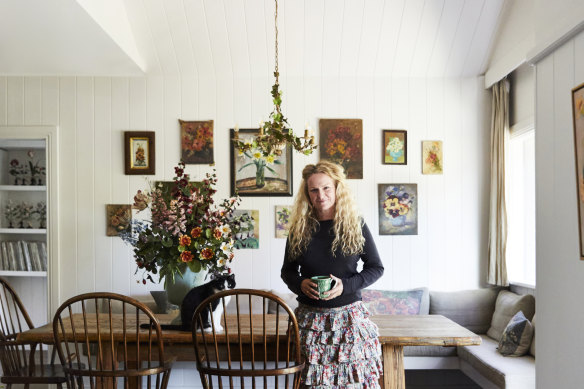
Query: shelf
x=24, y=188
x=12, y=273
x=23, y=231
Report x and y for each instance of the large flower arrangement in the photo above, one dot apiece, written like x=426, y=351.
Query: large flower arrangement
x=187, y=229
x=397, y=201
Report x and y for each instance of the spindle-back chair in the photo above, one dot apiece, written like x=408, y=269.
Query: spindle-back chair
x=19, y=365
x=111, y=347
x=263, y=347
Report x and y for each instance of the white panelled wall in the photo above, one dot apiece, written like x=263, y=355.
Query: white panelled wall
x=93, y=112
x=559, y=268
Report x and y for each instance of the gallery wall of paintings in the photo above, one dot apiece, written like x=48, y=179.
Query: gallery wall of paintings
x=93, y=115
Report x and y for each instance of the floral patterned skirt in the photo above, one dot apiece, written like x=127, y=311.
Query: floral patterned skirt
x=340, y=347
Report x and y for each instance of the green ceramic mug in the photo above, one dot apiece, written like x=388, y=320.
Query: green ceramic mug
x=324, y=283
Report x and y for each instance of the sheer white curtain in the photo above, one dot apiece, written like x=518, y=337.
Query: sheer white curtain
x=497, y=271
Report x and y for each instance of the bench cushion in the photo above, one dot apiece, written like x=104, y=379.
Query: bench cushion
x=508, y=304
x=472, y=309
x=505, y=372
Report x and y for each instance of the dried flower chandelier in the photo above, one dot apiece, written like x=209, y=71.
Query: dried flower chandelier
x=276, y=133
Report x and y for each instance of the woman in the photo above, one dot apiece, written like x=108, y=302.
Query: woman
x=328, y=237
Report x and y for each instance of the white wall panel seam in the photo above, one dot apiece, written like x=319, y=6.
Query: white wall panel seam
x=174, y=49
x=378, y=40
x=471, y=42
x=152, y=38
x=435, y=39
x=417, y=38
x=191, y=46
x=401, y=20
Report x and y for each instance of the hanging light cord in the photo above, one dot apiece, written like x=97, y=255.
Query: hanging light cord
x=276, y=69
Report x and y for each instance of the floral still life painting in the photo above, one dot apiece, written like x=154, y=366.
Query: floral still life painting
x=282, y=220
x=395, y=147
x=578, y=117
x=187, y=229
x=139, y=152
x=398, y=209
x=255, y=174
x=341, y=141
x=432, y=162
x=118, y=218
x=196, y=142
x=245, y=226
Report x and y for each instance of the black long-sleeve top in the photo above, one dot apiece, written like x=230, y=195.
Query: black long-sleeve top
x=318, y=260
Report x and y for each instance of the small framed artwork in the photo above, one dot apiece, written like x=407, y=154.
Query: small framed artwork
x=578, y=117
x=432, y=162
x=196, y=142
x=341, y=141
x=245, y=225
x=282, y=220
x=395, y=147
x=253, y=174
x=118, y=218
x=398, y=209
x=139, y=148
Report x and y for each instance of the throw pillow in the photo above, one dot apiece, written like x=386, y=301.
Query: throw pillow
x=507, y=305
x=387, y=302
x=516, y=338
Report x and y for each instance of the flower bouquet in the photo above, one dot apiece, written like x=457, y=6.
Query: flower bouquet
x=261, y=161
x=186, y=230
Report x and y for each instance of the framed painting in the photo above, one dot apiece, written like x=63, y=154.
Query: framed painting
x=398, y=209
x=395, y=147
x=139, y=150
x=283, y=213
x=432, y=162
x=341, y=141
x=118, y=218
x=196, y=142
x=252, y=174
x=245, y=226
x=578, y=117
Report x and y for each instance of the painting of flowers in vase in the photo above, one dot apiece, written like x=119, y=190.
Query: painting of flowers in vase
x=283, y=213
x=395, y=147
x=245, y=227
x=118, y=218
x=341, y=141
x=398, y=209
x=254, y=174
x=432, y=162
x=196, y=142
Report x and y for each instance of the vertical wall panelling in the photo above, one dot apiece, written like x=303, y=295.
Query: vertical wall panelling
x=3, y=99
x=32, y=100
x=68, y=186
x=15, y=101
x=93, y=113
x=50, y=100
x=85, y=143
x=102, y=160
x=558, y=269
x=122, y=262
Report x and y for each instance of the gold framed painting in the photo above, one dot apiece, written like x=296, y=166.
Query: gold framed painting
x=432, y=160
x=139, y=150
x=578, y=117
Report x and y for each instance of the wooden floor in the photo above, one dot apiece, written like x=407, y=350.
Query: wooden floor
x=439, y=379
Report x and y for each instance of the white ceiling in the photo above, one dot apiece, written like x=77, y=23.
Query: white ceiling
x=235, y=38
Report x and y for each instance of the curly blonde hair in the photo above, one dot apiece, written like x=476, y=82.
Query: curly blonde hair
x=347, y=221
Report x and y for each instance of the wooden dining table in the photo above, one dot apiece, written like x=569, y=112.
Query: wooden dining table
x=395, y=332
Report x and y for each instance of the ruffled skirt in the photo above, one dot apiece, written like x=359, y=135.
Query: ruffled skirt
x=340, y=347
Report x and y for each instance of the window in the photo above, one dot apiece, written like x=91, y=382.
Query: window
x=521, y=207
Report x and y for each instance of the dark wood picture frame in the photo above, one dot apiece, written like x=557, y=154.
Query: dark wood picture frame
x=140, y=152
x=277, y=176
x=392, y=157
x=578, y=120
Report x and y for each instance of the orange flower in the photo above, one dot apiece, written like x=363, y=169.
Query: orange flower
x=217, y=233
x=207, y=253
x=196, y=232
x=184, y=240
x=186, y=256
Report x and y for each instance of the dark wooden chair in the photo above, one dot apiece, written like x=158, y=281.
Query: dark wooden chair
x=251, y=346
x=103, y=330
x=22, y=363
